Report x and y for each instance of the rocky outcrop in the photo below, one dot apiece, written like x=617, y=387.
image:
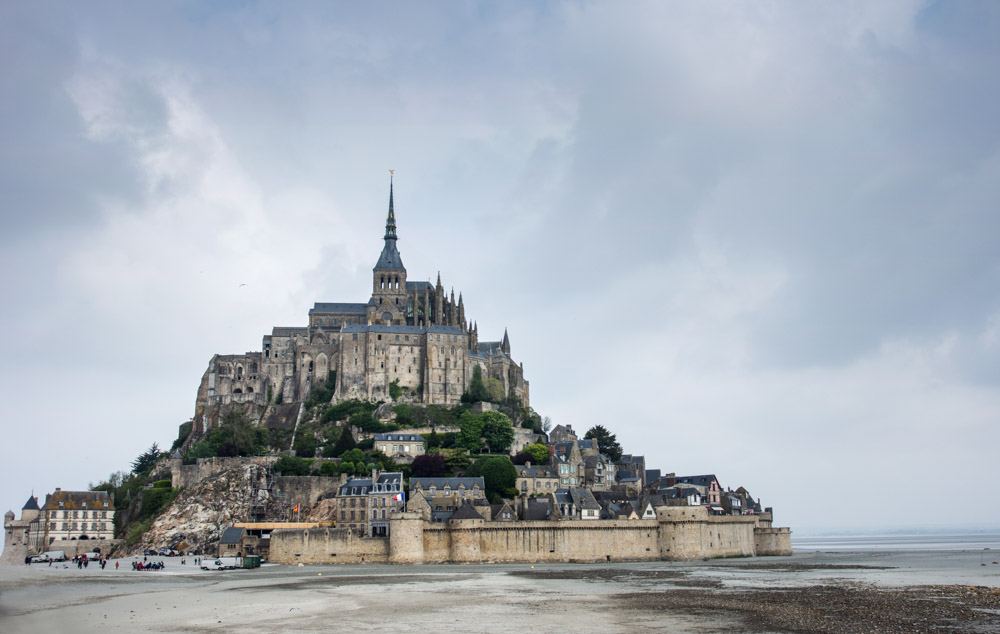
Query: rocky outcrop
x=195, y=520
x=323, y=511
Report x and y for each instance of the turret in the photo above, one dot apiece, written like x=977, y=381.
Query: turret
x=505, y=344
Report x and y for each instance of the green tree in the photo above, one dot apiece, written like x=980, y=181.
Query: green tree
x=394, y=390
x=606, y=442
x=470, y=435
x=144, y=463
x=536, y=452
x=344, y=443
x=477, y=388
x=429, y=465
x=292, y=466
x=498, y=474
x=497, y=431
x=494, y=387
x=305, y=444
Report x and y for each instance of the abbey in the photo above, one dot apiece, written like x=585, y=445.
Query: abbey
x=410, y=334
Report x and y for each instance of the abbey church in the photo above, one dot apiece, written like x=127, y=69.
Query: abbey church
x=411, y=334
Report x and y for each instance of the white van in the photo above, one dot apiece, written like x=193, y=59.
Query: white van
x=223, y=563
x=53, y=555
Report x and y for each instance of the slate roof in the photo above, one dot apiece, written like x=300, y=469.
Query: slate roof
x=466, y=512
x=452, y=483
x=407, y=330
x=419, y=286
x=629, y=459
x=338, y=308
x=288, y=331
x=488, y=347
x=389, y=258
x=584, y=499
x=390, y=477
x=563, y=450
x=534, y=471
x=590, y=462
x=31, y=504
x=587, y=443
x=652, y=475
x=400, y=437
x=75, y=500
x=356, y=486
x=627, y=475
x=700, y=480
x=537, y=509
x=231, y=535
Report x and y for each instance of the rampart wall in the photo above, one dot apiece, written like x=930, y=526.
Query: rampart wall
x=677, y=534
x=773, y=541
x=326, y=546
x=184, y=475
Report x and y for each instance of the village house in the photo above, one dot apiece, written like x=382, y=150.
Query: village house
x=631, y=471
x=467, y=488
x=711, y=490
x=598, y=472
x=440, y=506
x=535, y=479
x=568, y=463
x=577, y=503
x=562, y=433
x=364, y=505
x=400, y=447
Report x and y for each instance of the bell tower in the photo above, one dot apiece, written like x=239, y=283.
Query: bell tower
x=388, y=303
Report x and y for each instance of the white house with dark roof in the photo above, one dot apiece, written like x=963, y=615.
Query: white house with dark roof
x=400, y=447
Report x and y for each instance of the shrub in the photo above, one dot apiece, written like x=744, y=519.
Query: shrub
x=499, y=475
x=293, y=466
x=431, y=465
x=329, y=469
x=394, y=390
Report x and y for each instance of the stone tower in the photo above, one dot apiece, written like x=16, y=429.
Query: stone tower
x=388, y=303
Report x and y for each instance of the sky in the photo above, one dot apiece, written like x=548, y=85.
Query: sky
x=760, y=240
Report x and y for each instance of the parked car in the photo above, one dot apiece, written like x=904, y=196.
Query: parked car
x=166, y=552
x=54, y=555
x=93, y=556
x=150, y=552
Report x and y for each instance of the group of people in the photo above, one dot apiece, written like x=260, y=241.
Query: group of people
x=145, y=564
x=82, y=561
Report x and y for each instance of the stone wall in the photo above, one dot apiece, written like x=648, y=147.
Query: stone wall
x=78, y=547
x=326, y=546
x=185, y=475
x=305, y=490
x=689, y=532
x=678, y=533
x=773, y=541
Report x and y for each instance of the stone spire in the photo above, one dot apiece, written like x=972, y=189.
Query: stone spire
x=390, y=260
x=505, y=344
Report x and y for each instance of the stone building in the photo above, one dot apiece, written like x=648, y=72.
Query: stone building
x=75, y=515
x=400, y=447
x=22, y=536
x=535, y=479
x=410, y=335
x=364, y=505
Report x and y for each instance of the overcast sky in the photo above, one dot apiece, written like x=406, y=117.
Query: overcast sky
x=758, y=240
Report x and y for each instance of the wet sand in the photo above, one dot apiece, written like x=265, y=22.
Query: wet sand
x=919, y=591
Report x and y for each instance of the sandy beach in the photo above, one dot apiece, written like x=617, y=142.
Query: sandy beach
x=919, y=591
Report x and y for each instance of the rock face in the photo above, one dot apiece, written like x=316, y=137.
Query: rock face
x=195, y=520
x=323, y=511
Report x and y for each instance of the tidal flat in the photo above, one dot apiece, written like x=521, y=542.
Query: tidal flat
x=872, y=591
